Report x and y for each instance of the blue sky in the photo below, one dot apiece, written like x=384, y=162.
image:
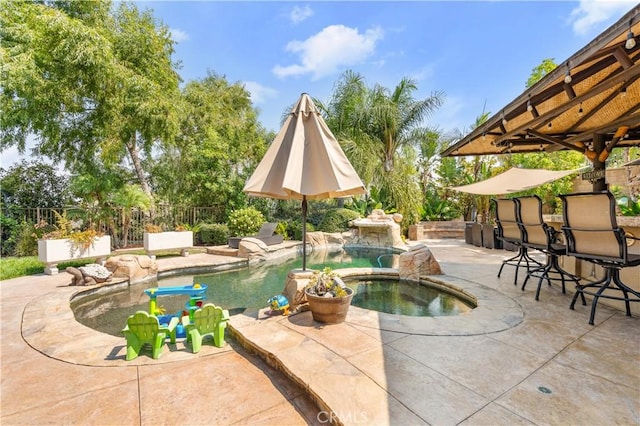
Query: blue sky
x=479, y=53
x=473, y=51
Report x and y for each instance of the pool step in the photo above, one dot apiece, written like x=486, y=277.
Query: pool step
x=223, y=251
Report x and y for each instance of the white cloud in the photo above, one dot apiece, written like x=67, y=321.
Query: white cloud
x=299, y=14
x=592, y=12
x=423, y=73
x=333, y=48
x=259, y=93
x=178, y=35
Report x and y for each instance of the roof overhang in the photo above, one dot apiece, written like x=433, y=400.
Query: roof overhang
x=602, y=97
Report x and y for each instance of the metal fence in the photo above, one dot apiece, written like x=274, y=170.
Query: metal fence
x=166, y=216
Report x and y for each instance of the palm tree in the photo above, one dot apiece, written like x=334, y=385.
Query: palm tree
x=390, y=119
x=396, y=118
x=380, y=129
x=128, y=198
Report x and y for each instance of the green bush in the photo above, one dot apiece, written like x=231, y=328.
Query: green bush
x=214, y=234
x=26, y=243
x=9, y=229
x=337, y=220
x=281, y=229
x=246, y=221
x=294, y=229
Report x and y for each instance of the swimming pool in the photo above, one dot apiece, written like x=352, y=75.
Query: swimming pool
x=249, y=288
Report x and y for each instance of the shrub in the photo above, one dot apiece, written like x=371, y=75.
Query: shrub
x=214, y=234
x=26, y=243
x=337, y=220
x=64, y=229
x=281, y=229
x=152, y=228
x=10, y=229
x=294, y=229
x=246, y=221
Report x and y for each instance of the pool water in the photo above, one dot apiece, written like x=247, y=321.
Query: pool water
x=250, y=287
x=405, y=298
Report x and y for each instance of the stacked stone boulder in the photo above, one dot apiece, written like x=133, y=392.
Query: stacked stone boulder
x=418, y=262
x=135, y=268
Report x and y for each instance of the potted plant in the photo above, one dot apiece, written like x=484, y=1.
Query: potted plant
x=329, y=298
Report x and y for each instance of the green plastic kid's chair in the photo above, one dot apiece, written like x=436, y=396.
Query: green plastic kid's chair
x=144, y=329
x=210, y=320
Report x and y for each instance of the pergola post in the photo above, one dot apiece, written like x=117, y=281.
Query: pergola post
x=599, y=145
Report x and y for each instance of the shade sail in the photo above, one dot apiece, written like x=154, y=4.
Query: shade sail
x=304, y=159
x=513, y=180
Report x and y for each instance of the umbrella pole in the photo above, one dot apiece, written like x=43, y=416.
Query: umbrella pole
x=304, y=232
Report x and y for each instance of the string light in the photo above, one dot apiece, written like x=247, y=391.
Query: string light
x=504, y=120
x=580, y=111
x=567, y=75
x=631, y=41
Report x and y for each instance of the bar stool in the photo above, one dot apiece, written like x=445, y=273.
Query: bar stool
x=509, y=232
x=539, y=236
x=592, y=234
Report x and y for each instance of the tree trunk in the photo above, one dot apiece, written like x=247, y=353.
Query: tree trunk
x=134, y=153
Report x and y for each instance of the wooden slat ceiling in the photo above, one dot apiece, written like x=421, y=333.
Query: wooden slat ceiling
x=603, y=97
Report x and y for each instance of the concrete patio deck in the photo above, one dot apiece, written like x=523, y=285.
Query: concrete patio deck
x=517, y=362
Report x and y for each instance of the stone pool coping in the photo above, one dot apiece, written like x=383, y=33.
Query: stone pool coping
x=49, y=326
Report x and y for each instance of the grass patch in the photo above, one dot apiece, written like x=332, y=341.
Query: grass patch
x=12, y=267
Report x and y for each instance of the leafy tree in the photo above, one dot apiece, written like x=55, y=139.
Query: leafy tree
x=219, y=144
x=34, y=184
x=546, y=66
x=87, y=80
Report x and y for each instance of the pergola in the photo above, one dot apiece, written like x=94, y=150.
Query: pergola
x=590, y=103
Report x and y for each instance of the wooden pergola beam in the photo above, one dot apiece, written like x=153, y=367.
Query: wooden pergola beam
x=555, y=141
x=629, y=73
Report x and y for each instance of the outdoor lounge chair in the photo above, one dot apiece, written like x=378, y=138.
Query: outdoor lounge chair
x=210, y=320
x=509, y=232
x=144, y=330
x=538, y=235
x=593, y=235
x=266, y=234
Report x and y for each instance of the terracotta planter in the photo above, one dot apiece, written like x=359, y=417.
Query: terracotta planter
x=329, y=310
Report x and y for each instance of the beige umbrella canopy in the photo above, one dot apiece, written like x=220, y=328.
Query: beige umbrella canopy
x=304, y=162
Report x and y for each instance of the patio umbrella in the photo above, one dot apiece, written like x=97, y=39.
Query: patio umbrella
x=304, y=162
